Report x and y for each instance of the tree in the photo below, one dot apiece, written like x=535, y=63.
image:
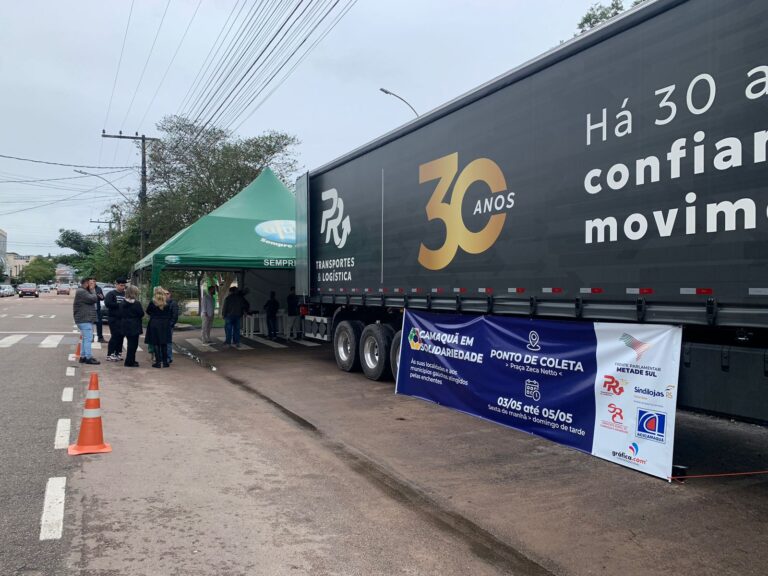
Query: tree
x=38, y=271
x=76, y=241
x=599, y=13
x=193, y=170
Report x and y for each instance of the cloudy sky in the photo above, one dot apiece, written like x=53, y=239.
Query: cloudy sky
x=59, y=63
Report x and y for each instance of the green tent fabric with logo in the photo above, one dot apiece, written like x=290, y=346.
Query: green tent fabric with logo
x=256, y=229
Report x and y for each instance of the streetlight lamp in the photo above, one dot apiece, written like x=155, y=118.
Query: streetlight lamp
x=389, y=93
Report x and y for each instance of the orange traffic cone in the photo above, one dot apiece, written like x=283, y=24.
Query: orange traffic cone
x=77, y=349
x=91, y=438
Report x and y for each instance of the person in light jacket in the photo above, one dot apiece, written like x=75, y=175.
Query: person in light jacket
x=131, y=314
x=84, y=312
x=206, y=313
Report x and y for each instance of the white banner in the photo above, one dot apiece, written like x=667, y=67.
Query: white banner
x=636, y=395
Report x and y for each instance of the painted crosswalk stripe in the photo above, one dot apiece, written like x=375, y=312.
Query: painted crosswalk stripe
x=242, y=346
x=197, y=343
x=71, y=358
x=62, y=433
x=70, y=371
x=266, y=342
x=9, y=341
x=66, y=394
x=52, y=520
x=51, y=341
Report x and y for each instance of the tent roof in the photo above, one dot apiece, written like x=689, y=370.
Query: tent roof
x=254, y=229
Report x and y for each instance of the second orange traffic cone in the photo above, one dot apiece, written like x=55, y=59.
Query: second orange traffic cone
x=91, y=438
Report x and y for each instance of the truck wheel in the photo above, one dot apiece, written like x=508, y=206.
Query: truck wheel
x=346, y=341
x=374, y=350
x=394, y=354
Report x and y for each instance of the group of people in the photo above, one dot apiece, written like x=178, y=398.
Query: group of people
x=125, y=316
x=236, y=306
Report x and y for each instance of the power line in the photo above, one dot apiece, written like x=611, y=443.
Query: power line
x=152, y=101
x=114, y=84
x=141, y=77
x=67, y=165
x=206, y=64
x=53, y=179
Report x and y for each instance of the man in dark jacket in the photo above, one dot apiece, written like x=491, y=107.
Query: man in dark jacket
x=271, y=307
x=112, y=301
x=235, y=305
x=99, y=321
x=174, y=308
x=84, y=312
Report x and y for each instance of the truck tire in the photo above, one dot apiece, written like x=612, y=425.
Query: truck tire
x=346, y=342
x=394, y=353
x=374, y=351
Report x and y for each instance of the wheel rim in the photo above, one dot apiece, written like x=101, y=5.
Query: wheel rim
x=344, y=347
x=371, y=353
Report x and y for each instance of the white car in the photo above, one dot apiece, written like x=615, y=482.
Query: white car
x=7, y=290
x=44, y=288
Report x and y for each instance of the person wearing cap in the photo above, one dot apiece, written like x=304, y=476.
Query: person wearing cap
x=112, y=301
x=84, y=312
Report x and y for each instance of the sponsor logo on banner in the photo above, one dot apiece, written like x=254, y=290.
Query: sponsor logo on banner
x=413, y=339
x=638, y=346
x=612, y=386
x=280, y=233
x=651, y=425
x=632, y=456
x=616, y=423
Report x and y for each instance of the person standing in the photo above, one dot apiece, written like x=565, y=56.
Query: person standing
x=131, y=314
x=112, y=301
x=99, y=315
x=174, y=308
x=292, y=311
x=84, y=312
x=235, y=305
x=206, y=313
x=157, y=330
x=271, y=307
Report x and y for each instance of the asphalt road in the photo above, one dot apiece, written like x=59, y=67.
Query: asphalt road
x=31, y=383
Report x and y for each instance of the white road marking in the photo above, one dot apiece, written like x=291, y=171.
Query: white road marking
x=37, y=332
x=24, y=316
x=305, y=343
x=51, y=316
x=51, y=341
x=242, y=346
x=4, y=315
x=197, y=343
x=266, y=342
x=9, y=341
x=71, y=358
x=62, y=432
x=96, y=345
x=75, y=331
x=67, y=394
x=52, y=521
x=70, y=370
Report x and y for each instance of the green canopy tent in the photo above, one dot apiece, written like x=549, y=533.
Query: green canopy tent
x=256, y=229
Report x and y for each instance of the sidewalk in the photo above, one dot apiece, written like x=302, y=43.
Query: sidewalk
x=569, y=512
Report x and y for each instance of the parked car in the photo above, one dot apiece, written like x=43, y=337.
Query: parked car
x=44, y=288
x=106, y=289
x=7, y=290
x=28, y=289
x=63, y=289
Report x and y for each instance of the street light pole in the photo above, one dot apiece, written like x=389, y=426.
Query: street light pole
x=105, y=180
x=389, y=93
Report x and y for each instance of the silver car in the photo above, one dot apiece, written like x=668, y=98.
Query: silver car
x=7, y=290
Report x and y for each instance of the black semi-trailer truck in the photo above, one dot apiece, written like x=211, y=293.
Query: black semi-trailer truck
x=621, y=176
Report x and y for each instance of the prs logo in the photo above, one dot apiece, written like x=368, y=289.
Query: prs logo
x=457, y=235
x=334, y=223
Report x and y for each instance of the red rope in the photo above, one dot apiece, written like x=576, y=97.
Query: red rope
x=719, y=475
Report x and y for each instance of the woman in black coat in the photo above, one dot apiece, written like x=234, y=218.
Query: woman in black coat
x=130, y=316
x=159, y=327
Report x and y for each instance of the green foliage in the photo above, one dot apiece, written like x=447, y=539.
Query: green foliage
x=599, y=13
x=76, y=241
x=39, y=271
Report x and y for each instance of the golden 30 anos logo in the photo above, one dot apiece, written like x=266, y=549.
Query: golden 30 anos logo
x=457, y=235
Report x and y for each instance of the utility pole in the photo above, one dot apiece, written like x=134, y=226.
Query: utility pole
x=109, y=233
x=143, y=235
